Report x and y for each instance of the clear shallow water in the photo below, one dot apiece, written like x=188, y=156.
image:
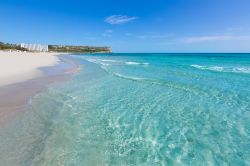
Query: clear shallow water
x=139, y=109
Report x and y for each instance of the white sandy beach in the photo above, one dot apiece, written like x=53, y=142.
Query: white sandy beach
x=17, y=67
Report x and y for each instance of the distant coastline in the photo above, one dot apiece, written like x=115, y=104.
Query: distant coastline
x=54, y=48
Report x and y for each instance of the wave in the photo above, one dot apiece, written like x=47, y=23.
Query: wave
x=108, y=60
x=214, y=68
x=176, y=85
x=159, y=82
x=91, y=60
x=136, y=63
x=242, y=70
x=245, y=70
x=97, y=62
x=133, y=78
x=120, y=62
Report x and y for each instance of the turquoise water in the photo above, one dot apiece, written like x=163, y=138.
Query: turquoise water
x=139, y=109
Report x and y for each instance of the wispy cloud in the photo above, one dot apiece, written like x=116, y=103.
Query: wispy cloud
x=90, y=38
x=129, y=34
x=107, y=33
x=214, y=38
x=153, y=36
x=119, y=19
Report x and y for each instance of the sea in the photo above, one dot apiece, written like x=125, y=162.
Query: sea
x=138, y=109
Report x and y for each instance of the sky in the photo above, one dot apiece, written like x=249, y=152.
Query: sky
x=130, y=25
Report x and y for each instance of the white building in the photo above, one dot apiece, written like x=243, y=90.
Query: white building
x=35, y=47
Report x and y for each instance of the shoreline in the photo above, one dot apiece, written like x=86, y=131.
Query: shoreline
x=14, y=98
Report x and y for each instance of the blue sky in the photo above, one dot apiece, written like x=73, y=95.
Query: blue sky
x=130, y=25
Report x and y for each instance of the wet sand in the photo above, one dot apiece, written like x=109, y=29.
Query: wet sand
x=14, y=99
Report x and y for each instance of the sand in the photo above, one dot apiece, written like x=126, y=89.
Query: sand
x=16, y=67
x=14, y=97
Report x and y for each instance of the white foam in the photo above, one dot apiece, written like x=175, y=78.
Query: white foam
x=128, y=77
x=91, y=60
x=198, y=66
x=216, y=68
x=108, y=60
x=136, y=63
x=98, y=62
x=104, y=64
x=242, y=70
x=224, y=69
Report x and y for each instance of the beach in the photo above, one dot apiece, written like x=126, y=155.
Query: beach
x=130, y=109
x=24, y=74
x=17, y=67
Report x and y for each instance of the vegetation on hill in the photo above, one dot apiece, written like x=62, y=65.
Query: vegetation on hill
x=8, y=46
x=60, y=48
x=78, y=49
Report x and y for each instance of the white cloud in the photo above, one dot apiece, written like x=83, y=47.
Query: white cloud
x=129, y=34
x=215, y=38
x=107, y=33
x=119, y=19
x=153, y=36
x=142, y=37
x=90, y=38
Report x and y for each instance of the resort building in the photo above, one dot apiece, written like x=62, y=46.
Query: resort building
x=35, y=47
